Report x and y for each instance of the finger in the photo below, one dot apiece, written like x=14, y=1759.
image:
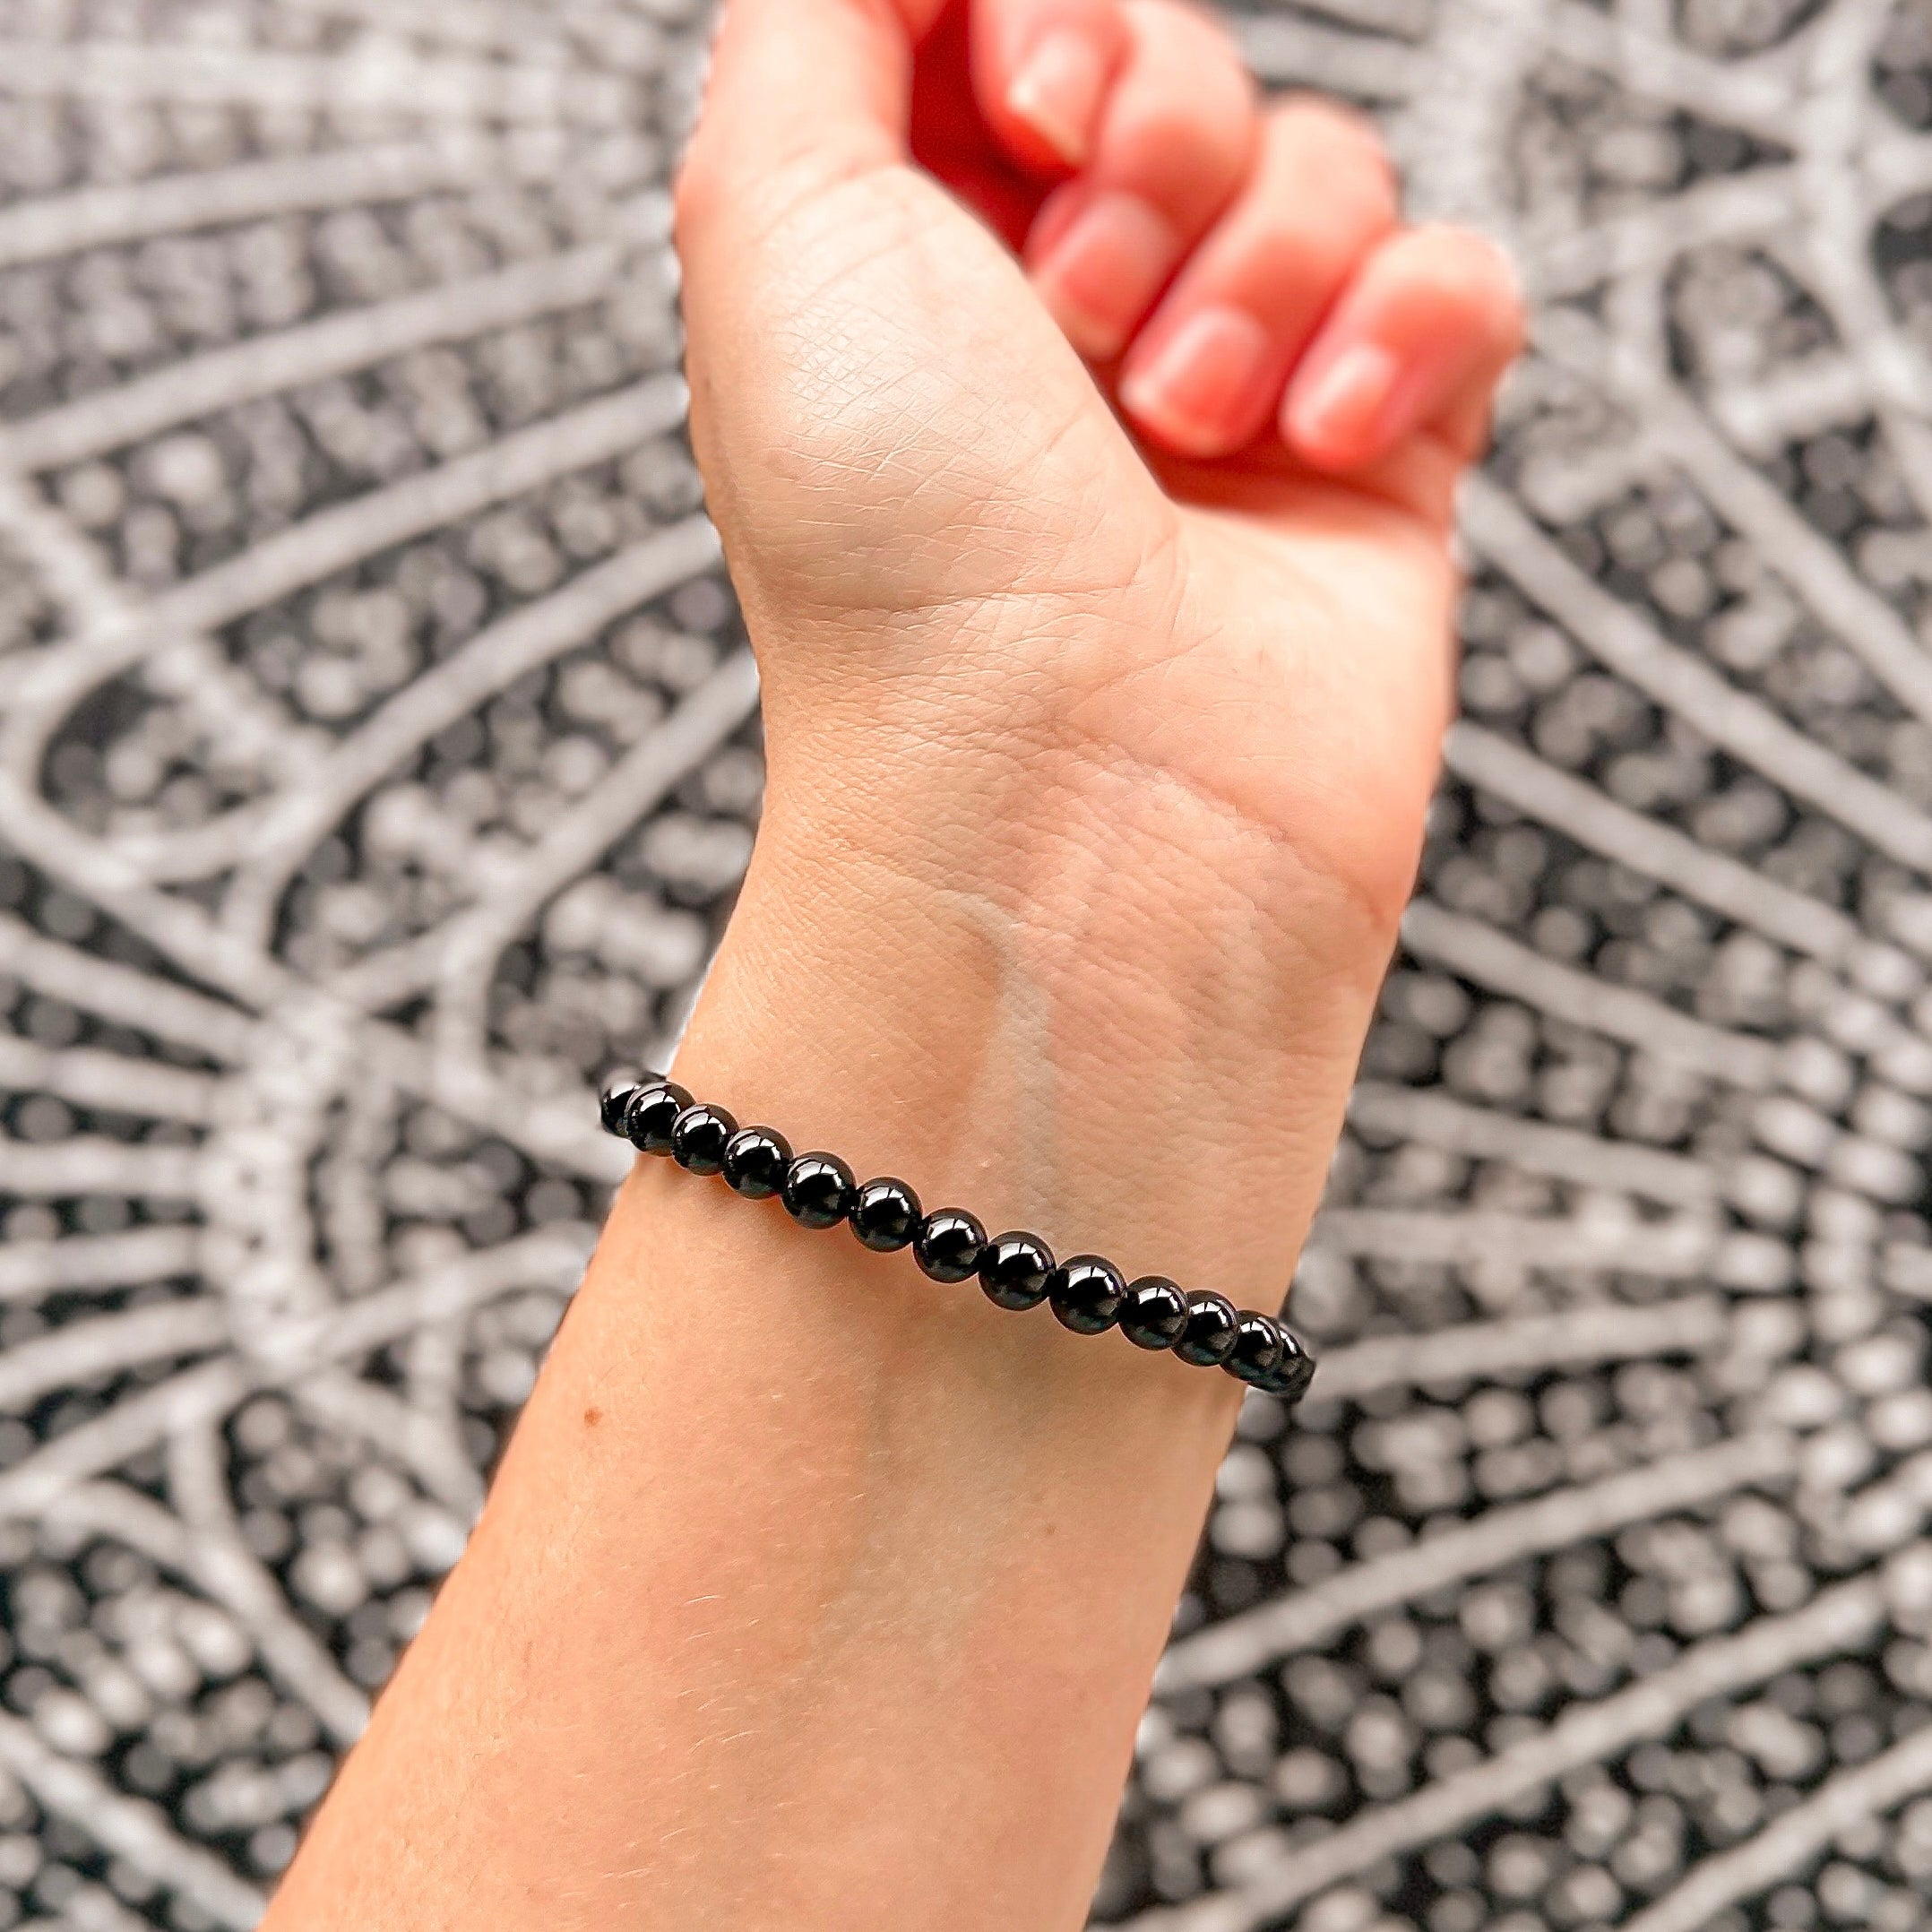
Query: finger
x=1175, y=138
x=1205, y=375
x=763, y=135
x=1419, y=340
x=1041, y=71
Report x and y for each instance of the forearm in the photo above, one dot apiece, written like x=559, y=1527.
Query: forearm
x=812, y=1592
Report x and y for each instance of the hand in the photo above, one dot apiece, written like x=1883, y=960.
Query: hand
x=1100, y=588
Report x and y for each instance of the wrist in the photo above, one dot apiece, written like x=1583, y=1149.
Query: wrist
x=998, y=979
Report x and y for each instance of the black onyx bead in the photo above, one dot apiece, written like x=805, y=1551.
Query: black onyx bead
x=818, y=1190
x=1256, y=1353
x=1014, y=1270
x=949, y=1244
x=653, y=1113
x=1208, y=1340
x=619, y=1090
x=1088, y=1294
x=887, y=1214
x=1290, y=1377
x=1155, y=1314
x=699, y=1137
x=755, y=1162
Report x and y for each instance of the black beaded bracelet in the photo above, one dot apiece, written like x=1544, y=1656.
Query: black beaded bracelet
x=1088, y=1294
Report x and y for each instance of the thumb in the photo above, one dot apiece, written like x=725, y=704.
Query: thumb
x=802, y=94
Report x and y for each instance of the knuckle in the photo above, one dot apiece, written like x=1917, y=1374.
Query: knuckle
x=1320, y=141
x=1185, y=98
x=1178, y=51
x=1472, y=271
x=1336, y=129
x=1177, y=24
x=1217, y=144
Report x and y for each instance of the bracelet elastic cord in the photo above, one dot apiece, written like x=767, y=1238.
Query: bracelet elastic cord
x=1088, y=1294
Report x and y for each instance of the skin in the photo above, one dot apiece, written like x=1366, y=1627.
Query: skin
x=1103, y=694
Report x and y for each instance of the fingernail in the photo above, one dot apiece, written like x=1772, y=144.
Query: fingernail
x=1201, y=391
x=1056, y=92
x=1340, y=404
x=1102, y=273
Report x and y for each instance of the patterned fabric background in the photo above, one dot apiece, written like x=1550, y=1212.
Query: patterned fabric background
x=378, y=754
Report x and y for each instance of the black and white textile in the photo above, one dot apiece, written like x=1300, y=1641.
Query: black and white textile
x=378, y=756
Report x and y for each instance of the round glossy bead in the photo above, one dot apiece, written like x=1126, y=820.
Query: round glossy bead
x=1155, y=1312
x=653, y=1113
x=949, y=1244
x=818, y=1190
x=886, y=1215
x=755, y=1162
x=1208, y=1340
x=1087, y=1293
x=1256, y=1353
x=1014, y=1270
x=699, y=1136
x=619, y=1090
x=1290, y=1377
